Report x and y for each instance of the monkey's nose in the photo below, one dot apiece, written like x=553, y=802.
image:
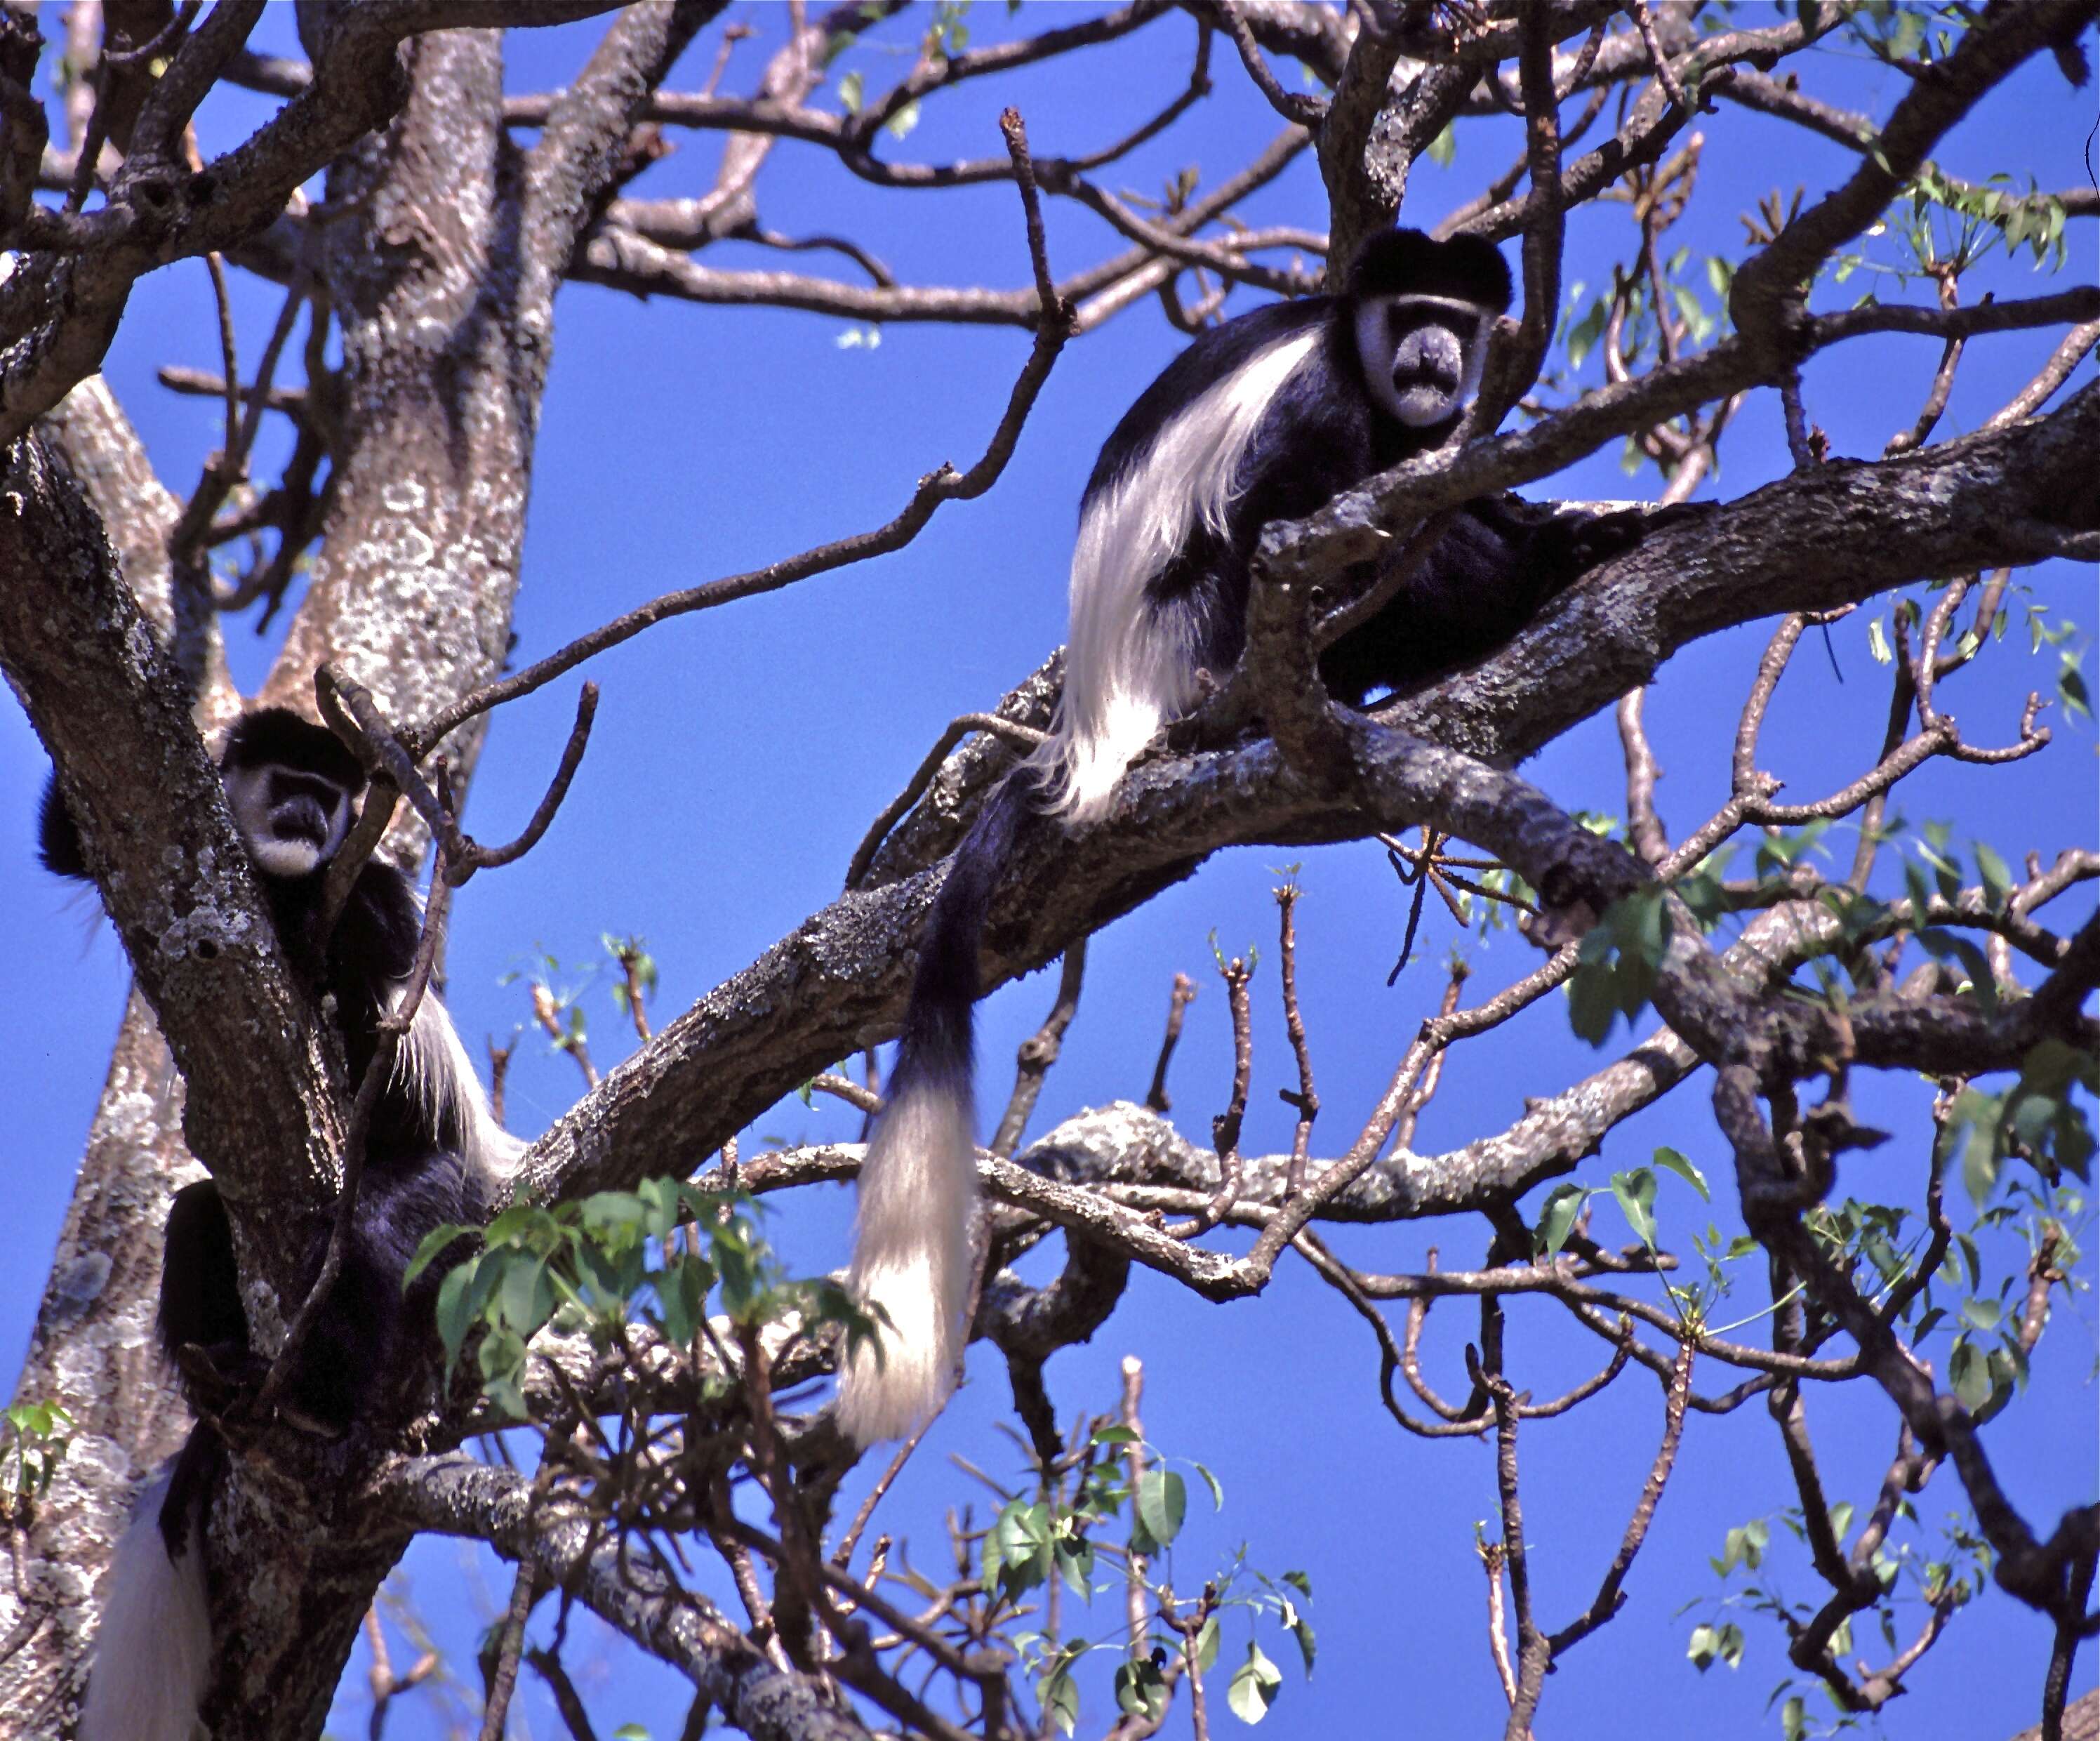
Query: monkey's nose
x=1430, y=356
x=301, y=818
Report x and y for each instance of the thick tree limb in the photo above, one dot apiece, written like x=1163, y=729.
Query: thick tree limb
x=812, y=999
x=627, y=1588
x=263, y=1110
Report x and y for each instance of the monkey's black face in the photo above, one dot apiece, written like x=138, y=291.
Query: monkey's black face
x=1421, y=356
x=292, y=819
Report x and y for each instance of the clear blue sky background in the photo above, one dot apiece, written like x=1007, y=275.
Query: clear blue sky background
x=739, y=756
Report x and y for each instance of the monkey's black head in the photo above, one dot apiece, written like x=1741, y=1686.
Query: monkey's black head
x=291, y=785
x=1422, y=310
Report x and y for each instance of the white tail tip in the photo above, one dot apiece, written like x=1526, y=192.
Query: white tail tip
x=152, y=1650
x=911, y=1257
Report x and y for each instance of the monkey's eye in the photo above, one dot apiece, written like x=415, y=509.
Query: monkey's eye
x=1404, y=323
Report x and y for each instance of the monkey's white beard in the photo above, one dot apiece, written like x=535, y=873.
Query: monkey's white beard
x=152, y=1650
x=276, y=856
x=911, y=1257
x=1128, y=669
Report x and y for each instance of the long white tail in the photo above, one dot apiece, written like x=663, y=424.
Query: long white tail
x=918, y=1184
x=153, y=1652
x=912, y=1257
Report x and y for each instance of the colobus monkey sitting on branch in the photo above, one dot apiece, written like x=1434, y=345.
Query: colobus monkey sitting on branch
x=434, y=1154
x=1266, y=417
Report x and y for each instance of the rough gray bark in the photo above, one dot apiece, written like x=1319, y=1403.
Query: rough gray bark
x=448, y=319
x=93, y=1344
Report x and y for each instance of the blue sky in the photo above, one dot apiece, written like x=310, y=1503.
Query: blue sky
x=739, y=755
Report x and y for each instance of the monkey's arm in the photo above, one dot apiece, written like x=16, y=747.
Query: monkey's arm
x=199, y=1286
x=1502, y=558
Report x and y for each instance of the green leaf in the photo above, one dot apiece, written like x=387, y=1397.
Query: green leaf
x=455, y=1316
x=1673, y=1162
x=1703, y=1648
x=849, y=91
x=1299, y=1582
x=1075, y=1566
x=2071, y=686
x=1556, y=1221
x=607, y=1216
x=1731, y=1645
x=1583, y=335
x=1592, y=1002
x=1210, y=1481
x=681, y=1294
x=1059, y=1695
x=433, y=1244
x=1444, y=148
x=1635, y=1191
x=1969, y=1373
x=1206, y=1645
x=526, y=1300
x=1141, y=1689
x=1301, y=1629
x=1162, y=1501
x=1112, y=1435
x=1997, y=880
x=1021, y=1542
x=1253, y=1687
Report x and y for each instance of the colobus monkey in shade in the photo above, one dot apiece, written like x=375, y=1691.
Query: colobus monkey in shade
x=1266, y=417
x=434, y=1154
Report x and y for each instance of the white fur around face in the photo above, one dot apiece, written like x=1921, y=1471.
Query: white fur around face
x=911, y=1257
x=283, y=858
x=1419, y=406
x=1126, y=672
x=248, y=797
x=152, y=1650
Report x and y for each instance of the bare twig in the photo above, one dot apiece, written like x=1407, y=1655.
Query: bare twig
x=1942, y=378
x=1225, y=1126
x=1038, y=1052
x=1178, y=1000
x=1022, y=737
x=1306, y=1099
x=1611, y=1593
x=1649, y=838
x=1134, y=1586
x=509, y=1644
x=1054, y=324
x=1299, y=107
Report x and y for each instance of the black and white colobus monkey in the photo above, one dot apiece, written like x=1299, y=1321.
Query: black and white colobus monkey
x=1266, y=417
x=434, y=1154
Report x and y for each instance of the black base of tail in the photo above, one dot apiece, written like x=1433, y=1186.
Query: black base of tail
x=918, y=1184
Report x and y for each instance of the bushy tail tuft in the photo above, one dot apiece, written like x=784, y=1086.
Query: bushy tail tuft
x=152, y=1651
x=918, y=1185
